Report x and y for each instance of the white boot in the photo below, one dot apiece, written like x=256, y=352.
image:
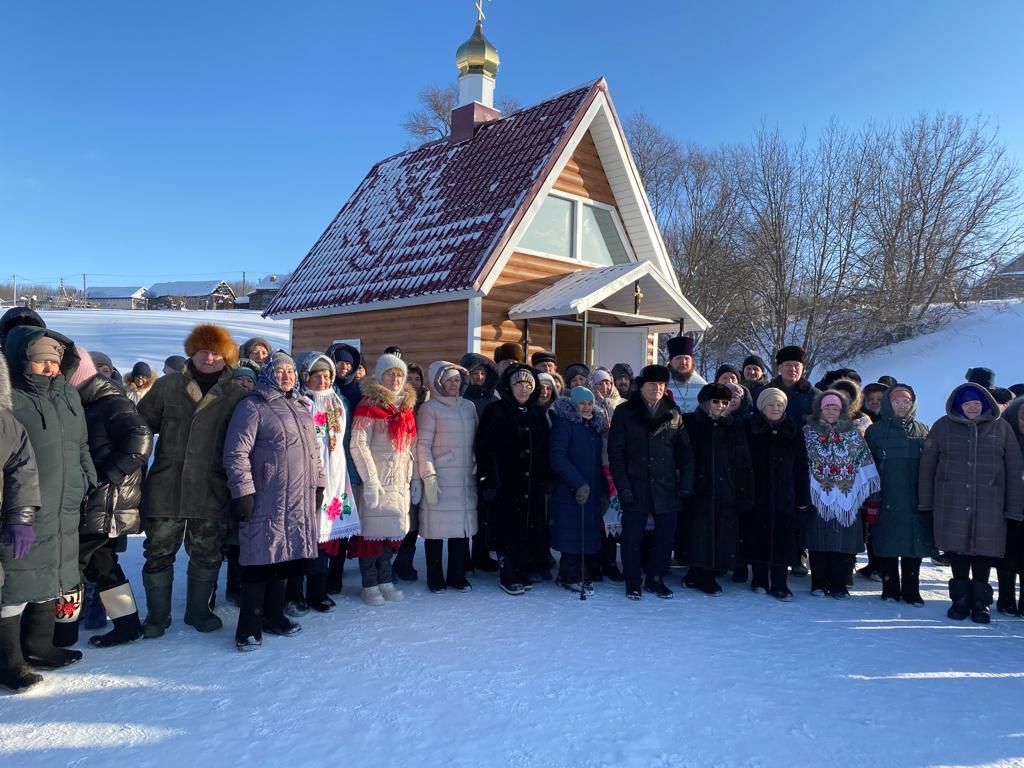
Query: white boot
x=372, y=596
x=391, y=593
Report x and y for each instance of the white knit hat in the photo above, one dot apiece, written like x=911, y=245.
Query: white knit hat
x=387, y=362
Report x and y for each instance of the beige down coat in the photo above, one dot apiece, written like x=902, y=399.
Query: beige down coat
x=446, y=430
x=383, y=450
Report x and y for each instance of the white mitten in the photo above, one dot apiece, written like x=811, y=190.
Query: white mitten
x=371, y=495
x=416, y=491
x=431, y=490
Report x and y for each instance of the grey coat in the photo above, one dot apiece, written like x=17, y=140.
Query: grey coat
x=972, y=478
x=445, y=435
x=271, y=450
x=19, y=478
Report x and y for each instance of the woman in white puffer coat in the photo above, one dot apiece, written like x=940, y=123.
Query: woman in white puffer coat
x=446, y=429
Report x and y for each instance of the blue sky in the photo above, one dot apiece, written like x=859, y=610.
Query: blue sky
x=188, y=139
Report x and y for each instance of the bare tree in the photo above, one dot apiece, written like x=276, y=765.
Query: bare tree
x=433, y=119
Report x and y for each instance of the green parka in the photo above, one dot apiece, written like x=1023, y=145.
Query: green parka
x=53, y=416
x=187, y=479
x=896, y=445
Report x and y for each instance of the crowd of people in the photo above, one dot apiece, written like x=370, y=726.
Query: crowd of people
x=287, y=467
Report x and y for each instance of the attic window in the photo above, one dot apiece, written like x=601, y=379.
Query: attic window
x=573, y=228
x=551, y=230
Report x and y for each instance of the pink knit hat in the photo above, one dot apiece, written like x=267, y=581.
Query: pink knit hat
x=86, y=369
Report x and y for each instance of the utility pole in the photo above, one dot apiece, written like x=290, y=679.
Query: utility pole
x=84, y=288
x=15, y=279
x=243, y=283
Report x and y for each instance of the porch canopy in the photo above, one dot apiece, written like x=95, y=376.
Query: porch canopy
x=611, y=292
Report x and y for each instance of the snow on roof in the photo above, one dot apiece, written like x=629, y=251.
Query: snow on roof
x=115, y=292
x=185, y=288
x=426, y=220
x=272, y=282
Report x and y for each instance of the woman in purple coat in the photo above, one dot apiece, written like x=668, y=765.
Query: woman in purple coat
x=272, y=459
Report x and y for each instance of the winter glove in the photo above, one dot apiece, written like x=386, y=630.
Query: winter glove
x=243, y=506
x=20, y=537
x=319, y=499
x=431, y=490
x=582, y=494
x=371, y=494
x=872, y=511
x=416, y=491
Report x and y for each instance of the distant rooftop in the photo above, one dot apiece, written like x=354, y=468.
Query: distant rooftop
x=115, y=292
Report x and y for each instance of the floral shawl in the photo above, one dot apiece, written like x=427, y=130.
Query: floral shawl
x=843, y=474
x=339, y=518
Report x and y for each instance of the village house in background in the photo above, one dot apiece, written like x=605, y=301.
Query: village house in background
x=191, y=294
x=260, y=297
x=533, y=228
x=1006, y=283
x=112, y=297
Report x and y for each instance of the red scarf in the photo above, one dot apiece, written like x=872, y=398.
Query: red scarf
x=399, y=422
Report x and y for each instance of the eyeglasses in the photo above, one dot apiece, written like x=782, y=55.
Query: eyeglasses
x=902, y=401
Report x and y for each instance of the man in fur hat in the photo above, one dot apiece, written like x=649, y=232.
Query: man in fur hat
x=684, y=382
x=187, y=496
x=789, y=362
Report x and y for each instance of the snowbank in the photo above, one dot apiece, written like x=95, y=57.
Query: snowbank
x=990, y=334
x=485, y=679
x=153, y=336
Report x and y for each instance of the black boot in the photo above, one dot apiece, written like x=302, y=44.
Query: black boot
x=249, y=632
x=779, y=583
x=458, y=554
x=433, y=549
x=960, y=594
x=890, y=570
x=402, y=564
x=68, y=612
x=15, y=674
x=981, y=599
x=119, y=603
x=37, y=622
x=202, y=583
x=274, y=620
x=609, y=566
x=759, y=578
x=911, y=591
x=336, y=569
x=316, y=593
x=739, y=573
x=482, y=560
x=1007, y=602
x=295, y=598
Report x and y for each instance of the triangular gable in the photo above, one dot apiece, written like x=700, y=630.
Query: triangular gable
x=584, y=174
x=601, y=122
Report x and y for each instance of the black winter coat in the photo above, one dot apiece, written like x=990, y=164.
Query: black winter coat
x=650, y=456
x=481, y=395
x=770, y=530
x=801, y=399
x=512, y=469
x=119, y=442
x=722, y=489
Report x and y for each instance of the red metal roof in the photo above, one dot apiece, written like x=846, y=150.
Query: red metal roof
x=426, y=220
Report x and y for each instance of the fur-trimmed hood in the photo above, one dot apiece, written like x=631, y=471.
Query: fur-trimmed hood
x=434, y=371
x=215, y=338
x=379, y=394
x=564, y=409
x=843, y=423
x=5, y=385
x=472, y=360
x=854, y=393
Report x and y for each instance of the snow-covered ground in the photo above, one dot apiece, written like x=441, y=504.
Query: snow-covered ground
x=485, y=679
x=990, y=334
x=153, y=336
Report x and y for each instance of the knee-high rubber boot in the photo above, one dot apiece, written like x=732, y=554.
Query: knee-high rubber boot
x=37, y=623
x=68, y=614
x=158, y=602
x=201, y=583
x=119, y=603
x=15, y=674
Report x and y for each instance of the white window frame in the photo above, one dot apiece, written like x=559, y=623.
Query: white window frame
x=577, y=234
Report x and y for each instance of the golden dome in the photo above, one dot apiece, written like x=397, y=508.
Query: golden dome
x=477, y=55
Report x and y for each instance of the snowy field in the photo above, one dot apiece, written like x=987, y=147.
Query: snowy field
x=153, y=336
x=545, y=680
x=485, y=679
x=990, y=335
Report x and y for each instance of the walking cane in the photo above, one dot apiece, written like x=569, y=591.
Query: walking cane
x=583, y=555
